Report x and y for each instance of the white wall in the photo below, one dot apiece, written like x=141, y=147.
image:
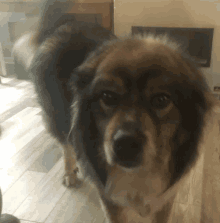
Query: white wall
x=24, y=24
x=6, y=17
x=173, y=13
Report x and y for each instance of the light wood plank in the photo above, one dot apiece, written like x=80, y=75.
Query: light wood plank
x=185, y=213
x=17, y=122
x=14, y=97
x=13, y=198
x=2, y=60
x=191, y=190
x=81, y=205
x=39, y=143
x=216, y=185
x=23, y=221
x=47, y=160
x=7, y=80
x=94, y=1
x=210, y=194
x=29, y=102
x=195, y=192
x=9, y=147
x=10, y=175
x=180, y=213
x=26, y=126
x=194, y=214
x=183, y=192
x=41, y=201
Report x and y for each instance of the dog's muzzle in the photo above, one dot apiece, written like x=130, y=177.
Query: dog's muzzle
x=128, y=148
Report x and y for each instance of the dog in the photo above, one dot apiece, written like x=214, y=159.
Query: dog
x=130, y=112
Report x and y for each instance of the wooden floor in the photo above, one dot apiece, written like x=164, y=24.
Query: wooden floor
x=31, y=168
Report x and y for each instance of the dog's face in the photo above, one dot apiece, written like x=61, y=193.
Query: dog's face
x=148, y=104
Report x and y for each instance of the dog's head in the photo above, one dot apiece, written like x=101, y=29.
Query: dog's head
x=147, y=102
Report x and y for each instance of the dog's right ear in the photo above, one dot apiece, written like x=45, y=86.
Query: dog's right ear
x=53, y=14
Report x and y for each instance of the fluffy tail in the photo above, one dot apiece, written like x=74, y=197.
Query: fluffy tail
x=53, y=15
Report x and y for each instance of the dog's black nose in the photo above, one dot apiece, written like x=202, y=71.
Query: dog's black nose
x=128, y=149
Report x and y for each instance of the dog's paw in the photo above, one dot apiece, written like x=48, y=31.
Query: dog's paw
x=71, y=180
x=137, y=202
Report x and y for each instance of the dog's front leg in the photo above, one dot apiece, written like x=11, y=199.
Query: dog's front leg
x=70, y=177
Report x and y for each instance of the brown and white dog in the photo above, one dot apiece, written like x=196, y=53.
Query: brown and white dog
x=129, y=112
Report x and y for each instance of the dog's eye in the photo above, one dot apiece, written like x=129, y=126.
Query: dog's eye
x=110, y=98
x=160, y=101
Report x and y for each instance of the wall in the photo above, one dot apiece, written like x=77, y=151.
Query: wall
x=173, y=13
x=30, y=24
x=6, y=17
x=23, y=25
x=15, y=11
